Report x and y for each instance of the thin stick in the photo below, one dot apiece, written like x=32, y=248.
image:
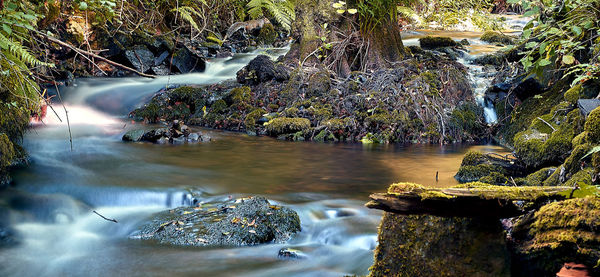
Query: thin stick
x=547, y=123
x=109, y=219
x=66, y=115
x=82, y=52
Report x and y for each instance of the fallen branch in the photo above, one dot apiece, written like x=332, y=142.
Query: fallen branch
x=83, y=52
x=109, y=219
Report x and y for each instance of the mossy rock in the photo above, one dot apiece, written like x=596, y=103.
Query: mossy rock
x=267, y=34
x=286, y=125
x=565, y=231
x=471, y=173
x=494, y=178
x=535, y=148
x=431, y=42
x=7, y=152
x=573, y=94
x=252, y=117
x=592, y=125
x=582, y=138
x=496, y=37
x=537, y=178
x=439, y=246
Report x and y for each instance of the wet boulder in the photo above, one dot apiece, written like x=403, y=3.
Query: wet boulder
x=487, y=168
x=261, y=69
x=430, y=42
x=246, y=221
x=186, y=61
x=140, y=57
x=177, y=132
x=496, y=37
x=560, y=232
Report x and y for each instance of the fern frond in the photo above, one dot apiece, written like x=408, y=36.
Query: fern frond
x=281, y=10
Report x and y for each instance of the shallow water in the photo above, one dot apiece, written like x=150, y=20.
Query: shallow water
x=327, y=184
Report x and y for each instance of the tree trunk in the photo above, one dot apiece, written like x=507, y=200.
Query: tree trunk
x=386, y=45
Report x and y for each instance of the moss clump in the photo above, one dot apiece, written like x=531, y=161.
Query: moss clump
x=470, y=173
x=430, y=42
x=573, y=163
x=473, y=158
x=573, y=94
x=537, y=178
x=582, y=138
x=7, y=152
x=583, y=179
x=592, y=125
x=286, y=125
x=267, y=34
x=239, y=98
x=467, y=119
x=494, y=178
x=535, y=148
x=252, y=117
x=565, y=231
x=291, y=112
x=496, y=37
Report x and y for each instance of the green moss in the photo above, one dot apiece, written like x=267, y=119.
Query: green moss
x=267, y=34
x=573, y=163
x=495, y=178
x=321, y=112
x=430, y=42
x=291, y=112
x=324, y=135
x=219, y=106
x=537, y=178
x=433, y=81
x=582, y=138
x=528, y=193
x=286, y=125
x=239, y=98
x=470, y=173
x=496, y=37
x=592, y=125
x=252, y=117
x=438, y=246
x=583, y=179
x=466, y=118
x=7, y=152
x=565, y=231
x=535, y=148
x=473, y=158
x=573, y=94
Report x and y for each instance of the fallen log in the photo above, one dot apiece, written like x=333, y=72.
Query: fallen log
x=469, y=200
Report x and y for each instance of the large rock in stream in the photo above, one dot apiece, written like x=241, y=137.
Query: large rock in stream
x=246, y=221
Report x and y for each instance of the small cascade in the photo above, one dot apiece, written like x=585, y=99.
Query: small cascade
x=481, y=80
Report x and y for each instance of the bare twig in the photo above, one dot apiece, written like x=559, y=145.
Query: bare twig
x=109, y=219
x=66, y=115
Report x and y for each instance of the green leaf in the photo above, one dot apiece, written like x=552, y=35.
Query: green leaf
x=83, y=6
x=544, y=62
x=594, y=150
x=568, y=59
x=576, y=30
x=543, y=47
x=7, y=29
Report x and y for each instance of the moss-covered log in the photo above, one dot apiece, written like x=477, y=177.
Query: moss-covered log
x=468, y=200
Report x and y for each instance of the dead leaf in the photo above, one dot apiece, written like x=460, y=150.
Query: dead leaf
x=252, y=231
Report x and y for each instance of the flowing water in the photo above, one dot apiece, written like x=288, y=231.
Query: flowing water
x=51, y=204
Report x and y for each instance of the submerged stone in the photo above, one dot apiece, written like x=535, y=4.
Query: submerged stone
x=247, y=221
x=430, y=42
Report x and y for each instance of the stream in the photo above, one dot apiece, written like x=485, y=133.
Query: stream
x=51, y=203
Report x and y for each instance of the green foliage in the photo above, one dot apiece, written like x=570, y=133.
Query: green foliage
x=566, y=40
x=282, y=10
